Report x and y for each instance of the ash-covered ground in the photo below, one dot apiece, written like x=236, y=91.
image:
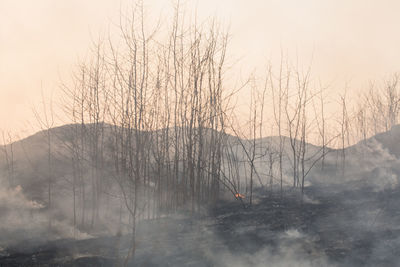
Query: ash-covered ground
x=332, y=226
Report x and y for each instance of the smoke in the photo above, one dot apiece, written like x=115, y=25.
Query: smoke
x=284, y=257
x=292, y=248
x=22, y=219
x=13, y=199
x=369, y=164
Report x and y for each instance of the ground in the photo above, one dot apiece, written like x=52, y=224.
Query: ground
x=329, y=226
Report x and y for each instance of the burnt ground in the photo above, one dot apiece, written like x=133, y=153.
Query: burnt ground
x=332, y=226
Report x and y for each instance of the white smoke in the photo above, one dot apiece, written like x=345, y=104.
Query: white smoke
x=24, y=219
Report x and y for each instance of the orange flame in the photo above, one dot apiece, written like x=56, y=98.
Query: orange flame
x=238, y=195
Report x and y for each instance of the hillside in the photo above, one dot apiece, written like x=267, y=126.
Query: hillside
x=377, y=155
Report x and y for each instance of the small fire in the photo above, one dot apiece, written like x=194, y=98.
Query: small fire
x=238, y=195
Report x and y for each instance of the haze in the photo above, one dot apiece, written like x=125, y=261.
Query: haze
x=350, y=42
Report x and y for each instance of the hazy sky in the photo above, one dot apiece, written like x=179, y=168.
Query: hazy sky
x=351, y=41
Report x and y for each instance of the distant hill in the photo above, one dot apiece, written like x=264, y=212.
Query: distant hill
x=373, y=162
x=376, y=156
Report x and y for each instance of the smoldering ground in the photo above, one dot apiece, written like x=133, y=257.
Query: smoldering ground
x=331, y=227
x=229, y=235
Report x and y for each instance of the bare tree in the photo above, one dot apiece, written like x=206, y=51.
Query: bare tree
x=45, y=119
x=344, y=129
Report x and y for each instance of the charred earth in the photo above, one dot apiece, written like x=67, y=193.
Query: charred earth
x=330, y=226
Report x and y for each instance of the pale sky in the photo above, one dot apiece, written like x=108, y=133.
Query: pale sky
x=347, y=41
